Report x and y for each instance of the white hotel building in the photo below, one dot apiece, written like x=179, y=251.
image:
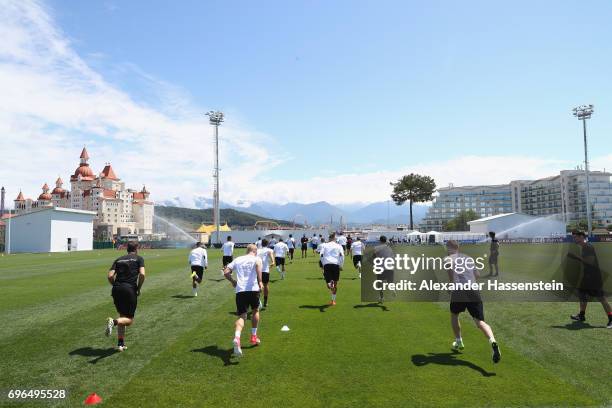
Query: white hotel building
x=119, y=210
x=563, y=194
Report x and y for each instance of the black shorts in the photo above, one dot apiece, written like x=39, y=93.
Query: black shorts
x=279, y=260
x=331, y=272
x=386, y=275
x=475, y=309
x=356, y=259
x=199, y=270
x=227, y=260
x=125, y=299
x=344, y=248
x=304, y=247
x=493, y=259
x=291, y=250
x=244, y=300
x=265, y=277
x=585, y=294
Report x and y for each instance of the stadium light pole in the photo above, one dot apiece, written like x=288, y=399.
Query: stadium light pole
x=215, y=118
x=584, y=112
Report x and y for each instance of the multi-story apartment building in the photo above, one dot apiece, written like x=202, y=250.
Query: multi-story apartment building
x=563, y=194
x=119, y=210
x=451, y=200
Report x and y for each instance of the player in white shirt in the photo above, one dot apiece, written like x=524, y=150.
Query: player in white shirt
x=341, y=240
x=318, y=250
x=267, y=258
x=332, y=259
x=466, y=299
x=228, y=252
x=291, y=246
x=314, y=243
x=198, y=259
x=280, y=251
x=248, y=284
x=357, y=248
x=258, y=244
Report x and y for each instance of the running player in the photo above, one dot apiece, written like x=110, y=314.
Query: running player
x=319, y=248
x=267, y=259
x=127, y=274
x=466, y=299
x=248, y=287
x=291, y=246
x=383, y=250
x=592, y=280
x=198, y=259
x=349, y=243
x=258, y=243
x=493, y=254
x=280, y=251
x=332, y=259
x=314, y=243
x=341, y=239
x=304, y=242
x=228, y=252
x=357, y=248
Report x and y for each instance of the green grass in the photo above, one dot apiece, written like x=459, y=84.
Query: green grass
x=53, y=308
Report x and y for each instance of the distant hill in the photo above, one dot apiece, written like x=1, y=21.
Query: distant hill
x=189, y=219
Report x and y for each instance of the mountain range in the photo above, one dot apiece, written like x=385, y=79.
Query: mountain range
x=315, y=213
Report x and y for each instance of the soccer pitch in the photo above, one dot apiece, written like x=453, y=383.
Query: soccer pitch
x=53, y=310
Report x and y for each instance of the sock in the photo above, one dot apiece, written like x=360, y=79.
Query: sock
x=333, y=296
x=120, y=341
x=492, y=340
x=458, y=339
x=254, y=331
x=115, y=322
x=581, y=313
x=237, y=334
x=610, y=316
x=265, y=300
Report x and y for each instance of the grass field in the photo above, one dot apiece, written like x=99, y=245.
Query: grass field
x=53, y=307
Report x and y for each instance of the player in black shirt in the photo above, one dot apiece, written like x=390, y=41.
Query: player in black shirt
x=304, y=242
x=591, y=284
x=127, y=276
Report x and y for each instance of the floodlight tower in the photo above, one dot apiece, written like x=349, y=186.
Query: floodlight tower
x=584, y=112
x=215, y=118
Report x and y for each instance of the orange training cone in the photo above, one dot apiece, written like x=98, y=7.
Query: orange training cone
x=92, y=399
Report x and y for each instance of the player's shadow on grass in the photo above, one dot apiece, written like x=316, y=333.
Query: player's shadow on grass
x=217, y=280
x=224, y=354
x=182, y=296
x=321, y=308
x=99, y=354
x=448, y=359
x=577, y=326
x=370, y=305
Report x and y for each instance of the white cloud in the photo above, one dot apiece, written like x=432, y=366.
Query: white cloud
x=52, y=102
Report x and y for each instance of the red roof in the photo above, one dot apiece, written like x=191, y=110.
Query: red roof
x=84, y=154
x=20, y=197
x=109, y=193
x=139, y=196
x=59, y=181
x=108, y=173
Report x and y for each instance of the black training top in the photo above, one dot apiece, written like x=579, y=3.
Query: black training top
x=591, y=278
x=126, y=269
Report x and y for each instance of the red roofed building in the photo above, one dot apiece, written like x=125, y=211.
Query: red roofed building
x=120, y=210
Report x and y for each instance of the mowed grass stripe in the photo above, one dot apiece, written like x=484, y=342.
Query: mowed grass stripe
x=71, y=352
x=351, y=355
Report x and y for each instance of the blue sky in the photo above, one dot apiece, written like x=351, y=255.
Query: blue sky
x=352, y=93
